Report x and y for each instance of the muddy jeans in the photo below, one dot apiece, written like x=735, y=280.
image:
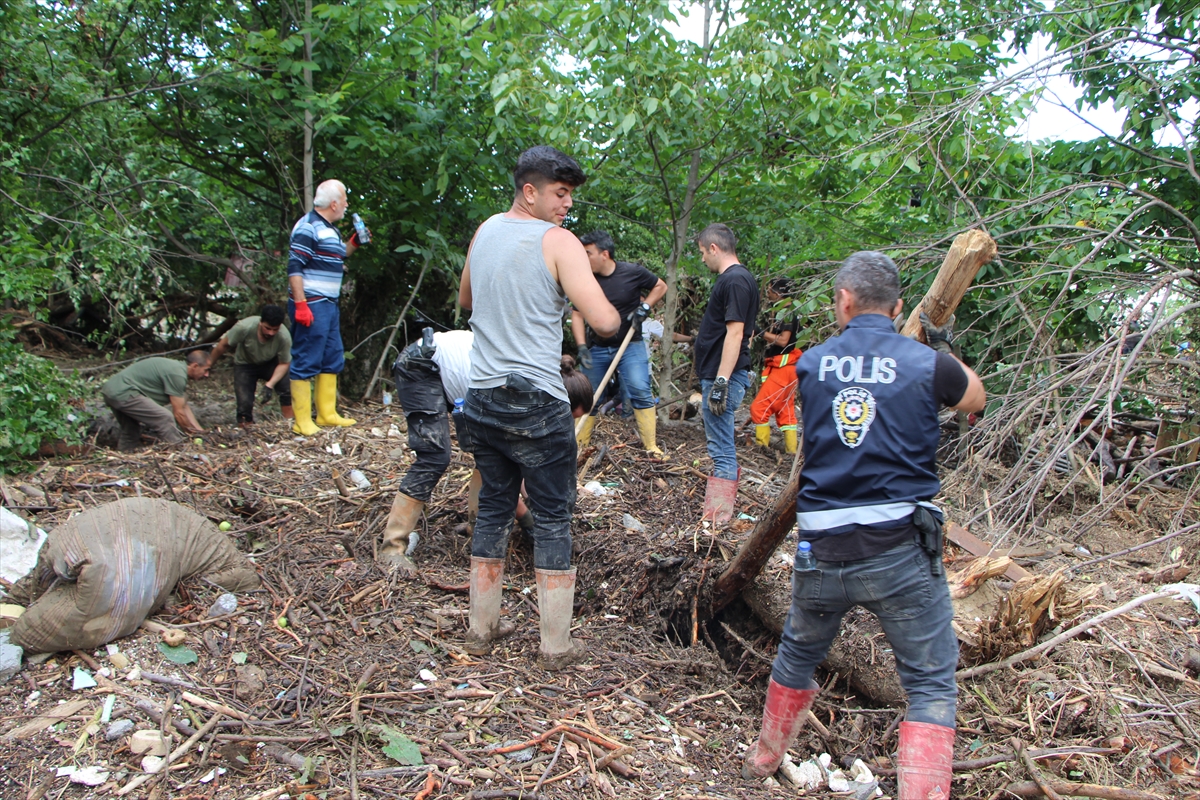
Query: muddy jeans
x=912, y=605
x=245, y=384
x=530, y=436
x=137, y=410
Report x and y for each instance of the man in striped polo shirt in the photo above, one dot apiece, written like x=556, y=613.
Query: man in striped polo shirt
x=316, y=263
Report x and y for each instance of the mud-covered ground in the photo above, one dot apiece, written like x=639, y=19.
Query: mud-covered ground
x=338, y=679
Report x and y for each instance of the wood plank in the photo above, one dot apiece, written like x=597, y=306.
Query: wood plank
x=977, y=547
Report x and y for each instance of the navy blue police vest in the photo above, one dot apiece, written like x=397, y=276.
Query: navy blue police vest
x=870, y=430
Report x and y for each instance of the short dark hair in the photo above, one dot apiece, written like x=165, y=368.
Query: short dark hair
x=719, y=234
x=544, y=164
x=872, y=278
x=579, y=388
x=272, y=314
x=602, y=241
x=197, y=357
x=782, y=285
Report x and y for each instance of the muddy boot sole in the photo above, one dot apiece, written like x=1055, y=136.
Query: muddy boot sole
x=482, y=646
x=557, y=661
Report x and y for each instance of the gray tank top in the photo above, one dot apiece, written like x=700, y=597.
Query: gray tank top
x=517, y=309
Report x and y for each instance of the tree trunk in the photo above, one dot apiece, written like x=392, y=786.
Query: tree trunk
x=679, y=231
x=308, y=115
x=970, y=251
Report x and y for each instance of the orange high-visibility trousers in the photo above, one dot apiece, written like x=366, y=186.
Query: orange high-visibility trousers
x=777, y=395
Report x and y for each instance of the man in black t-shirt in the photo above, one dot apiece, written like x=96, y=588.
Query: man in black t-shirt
x=722, y=357
x=633, y=290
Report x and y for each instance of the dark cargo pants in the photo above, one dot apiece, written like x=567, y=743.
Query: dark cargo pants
x=245, y=385
x=530, y=436
x=912, y=605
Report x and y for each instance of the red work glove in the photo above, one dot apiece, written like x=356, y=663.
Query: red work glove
x=304, y=314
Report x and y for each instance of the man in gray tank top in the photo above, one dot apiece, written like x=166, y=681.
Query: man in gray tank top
x=521, y=270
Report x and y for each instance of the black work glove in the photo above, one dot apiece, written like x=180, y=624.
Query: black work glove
x=265, y=395
x=585, y=357
x=718, y=395
x=428, y=348
x=941, y=338
x=639, y=314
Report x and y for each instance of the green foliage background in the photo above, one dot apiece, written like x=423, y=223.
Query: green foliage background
x=148, y=151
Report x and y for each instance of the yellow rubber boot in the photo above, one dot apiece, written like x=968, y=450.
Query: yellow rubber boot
x=789, y=440
x=762, y=434
x=302, y=408
x=646, y=424
x=585, y=433
x=327, y=415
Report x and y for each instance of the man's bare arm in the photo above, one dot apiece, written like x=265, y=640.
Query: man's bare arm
x=731, y=349
x=183, y=414
x=568, y=264
x=974, y=398
x=218, y=351
x=656, y=293
x=578, y=332
x=280, y=372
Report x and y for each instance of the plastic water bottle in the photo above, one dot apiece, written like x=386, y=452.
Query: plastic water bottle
x=225, y=604
x=805, y=561
x=360, y=228
x=459, y=402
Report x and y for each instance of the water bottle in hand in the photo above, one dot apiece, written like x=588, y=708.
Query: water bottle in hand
x=360, y=228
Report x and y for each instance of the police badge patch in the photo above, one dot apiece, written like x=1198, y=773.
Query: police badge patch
x=853, y=413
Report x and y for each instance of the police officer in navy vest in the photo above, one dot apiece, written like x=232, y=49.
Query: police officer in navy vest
x=870, y=400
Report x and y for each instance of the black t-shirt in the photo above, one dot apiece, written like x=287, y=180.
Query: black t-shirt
x=777, y=326
x=949, y=387
x=734, y=299
x=624, y=288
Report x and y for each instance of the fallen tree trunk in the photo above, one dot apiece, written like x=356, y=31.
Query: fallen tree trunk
x=750, y=559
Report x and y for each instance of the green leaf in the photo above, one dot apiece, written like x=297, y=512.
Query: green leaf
x=912, y=163
x=400, y=748
x=628, y=123
x=179, y=655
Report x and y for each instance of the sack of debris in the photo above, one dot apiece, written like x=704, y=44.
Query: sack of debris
x=103, y=572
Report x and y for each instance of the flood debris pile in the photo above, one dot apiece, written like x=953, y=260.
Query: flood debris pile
x=337, y=678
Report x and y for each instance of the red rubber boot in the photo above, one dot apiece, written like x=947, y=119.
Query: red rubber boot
x=924, y=761
x=783, y=717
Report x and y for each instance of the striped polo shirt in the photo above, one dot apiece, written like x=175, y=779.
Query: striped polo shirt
x=318, y=254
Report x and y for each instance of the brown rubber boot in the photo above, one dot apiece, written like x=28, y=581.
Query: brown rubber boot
x=924, y=761
x=783, y=718
x=400, y=536
x=556, y=599
x=487, y=589
x=287, y=412
x=720, y=494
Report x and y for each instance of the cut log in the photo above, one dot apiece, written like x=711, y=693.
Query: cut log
x=969, y=252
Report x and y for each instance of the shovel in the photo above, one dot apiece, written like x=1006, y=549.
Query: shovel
x=607, y=377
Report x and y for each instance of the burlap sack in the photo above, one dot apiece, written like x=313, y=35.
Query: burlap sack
x=100, y=574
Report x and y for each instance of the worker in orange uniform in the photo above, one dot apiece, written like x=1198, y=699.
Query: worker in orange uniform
x=777, y=393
